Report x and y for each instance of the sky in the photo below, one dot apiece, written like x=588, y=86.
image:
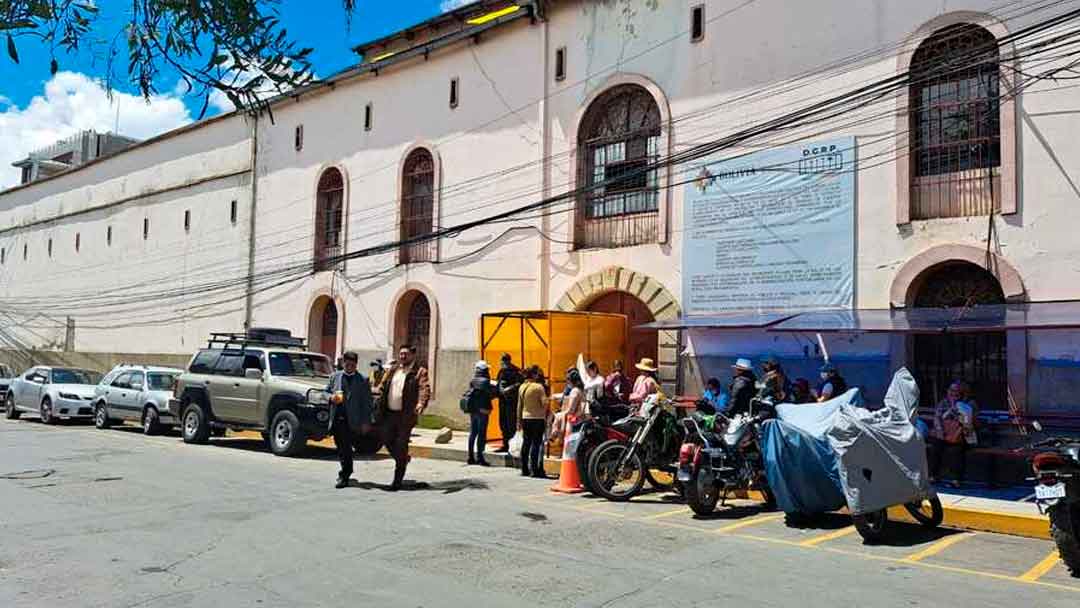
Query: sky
x=37, y=109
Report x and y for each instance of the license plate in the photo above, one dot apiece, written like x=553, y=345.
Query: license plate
x=1050, y=492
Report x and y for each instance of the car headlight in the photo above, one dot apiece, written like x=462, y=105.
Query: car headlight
x=71, y=396
x=318, y=397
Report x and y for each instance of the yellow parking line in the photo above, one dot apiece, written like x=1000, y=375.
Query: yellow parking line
x=937, y=547
x=681, y=511
x=1040, y=569
x=817, y=540
x=747, y=523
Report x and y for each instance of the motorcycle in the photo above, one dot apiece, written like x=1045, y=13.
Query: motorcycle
x=1057, y=494
x=607, y=422
x=721, y=455
x=618, y=469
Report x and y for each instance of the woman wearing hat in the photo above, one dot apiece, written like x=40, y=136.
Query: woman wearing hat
x=742, y=388
x=646, y=383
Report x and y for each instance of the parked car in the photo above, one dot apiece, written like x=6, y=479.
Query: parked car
x=5, y=378
x=52, y=393
x=263, y=380
x=136, y=393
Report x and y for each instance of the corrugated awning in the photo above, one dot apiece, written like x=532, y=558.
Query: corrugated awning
x=734, y=320
x=970, y=319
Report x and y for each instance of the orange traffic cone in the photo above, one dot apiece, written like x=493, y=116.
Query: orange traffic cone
x=569, y=480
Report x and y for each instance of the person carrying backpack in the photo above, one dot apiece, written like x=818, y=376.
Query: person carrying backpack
x=477, y=404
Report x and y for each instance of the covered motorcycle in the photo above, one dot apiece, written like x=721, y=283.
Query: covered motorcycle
x=822, y=457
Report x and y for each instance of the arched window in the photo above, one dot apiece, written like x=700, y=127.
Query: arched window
x=955, y=124
x=329, y=209
x=418, y=207
x=418, y=330
x=618, y=148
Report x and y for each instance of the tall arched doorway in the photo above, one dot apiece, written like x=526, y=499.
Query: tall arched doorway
x=980, y=359
x=413, y=324
x=640, y=343
x=323, y=327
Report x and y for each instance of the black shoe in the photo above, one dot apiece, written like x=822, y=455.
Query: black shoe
x=526, y=474
x=471, y=460
x=342, y=482
x=540, y=476
x=483, y=463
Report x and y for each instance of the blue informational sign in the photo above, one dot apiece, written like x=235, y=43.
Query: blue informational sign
x=772, y=230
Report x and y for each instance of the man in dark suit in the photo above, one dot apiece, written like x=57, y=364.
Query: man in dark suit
x=351, y=412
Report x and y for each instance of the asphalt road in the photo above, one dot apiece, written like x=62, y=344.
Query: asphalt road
x=115, y=519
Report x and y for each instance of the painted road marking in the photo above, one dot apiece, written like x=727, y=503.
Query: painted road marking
x=817, y=540
x=937, y=547
x=747, y=523
x=1040, y=569
x=682, y=511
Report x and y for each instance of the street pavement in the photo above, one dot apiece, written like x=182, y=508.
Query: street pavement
x=94, y=518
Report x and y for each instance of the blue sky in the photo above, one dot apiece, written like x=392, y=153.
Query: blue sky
x=36, y=108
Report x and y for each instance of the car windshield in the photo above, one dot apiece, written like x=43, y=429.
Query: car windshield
x=161, y=381
x=300, y=364
x=74, y=376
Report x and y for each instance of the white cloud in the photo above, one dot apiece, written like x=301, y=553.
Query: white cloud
x=449, y=5
x=73, y=102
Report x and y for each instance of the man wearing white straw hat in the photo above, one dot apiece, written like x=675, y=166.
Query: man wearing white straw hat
x=742, y=388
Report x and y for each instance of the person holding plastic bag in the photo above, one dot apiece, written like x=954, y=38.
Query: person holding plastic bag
x=532, y=418
x=478, y=402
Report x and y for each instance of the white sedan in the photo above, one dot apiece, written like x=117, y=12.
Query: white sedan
x=52, y=393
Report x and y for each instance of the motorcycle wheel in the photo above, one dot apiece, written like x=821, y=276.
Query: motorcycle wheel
x=616, y=485
x=659, y=480
x=581, y=459
x=871, y=526
x=701, y=494
x=927, y=512
x=1065, y=529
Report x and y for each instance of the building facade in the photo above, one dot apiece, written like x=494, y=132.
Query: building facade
x=965, y=188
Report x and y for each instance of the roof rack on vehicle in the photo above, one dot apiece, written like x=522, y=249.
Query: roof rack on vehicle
x=255, y=337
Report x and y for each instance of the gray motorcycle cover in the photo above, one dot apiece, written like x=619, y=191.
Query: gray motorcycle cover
x=882, y=458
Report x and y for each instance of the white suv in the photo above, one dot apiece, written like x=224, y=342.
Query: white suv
x=52, y=393
x=136, y=393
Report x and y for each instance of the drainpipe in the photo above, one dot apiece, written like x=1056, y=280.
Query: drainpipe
x=249, y=300
x=545, y=171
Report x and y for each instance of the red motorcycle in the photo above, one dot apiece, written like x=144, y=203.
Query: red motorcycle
x=607, y=422
x=1057, y=493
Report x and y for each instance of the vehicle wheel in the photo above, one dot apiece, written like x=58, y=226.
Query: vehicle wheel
x=46, y=412
x=1065, y=530
x=10, y=411
x=659, y=480
x=927, y=511
x=702, y=494
x=770, y=499
x=151, y=421
x=196, y=428
x=286, y=436
x=101, y=417
x=609, y=480
x=871, y=526
x=367, y=445
x=581, y=459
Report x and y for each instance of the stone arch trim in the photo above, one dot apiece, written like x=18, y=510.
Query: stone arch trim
x=906, y=283
x=661, y=303
x=339, y=302
x=667, y=139
x=436, y=197
x=398, y=307
x=1007, y=109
